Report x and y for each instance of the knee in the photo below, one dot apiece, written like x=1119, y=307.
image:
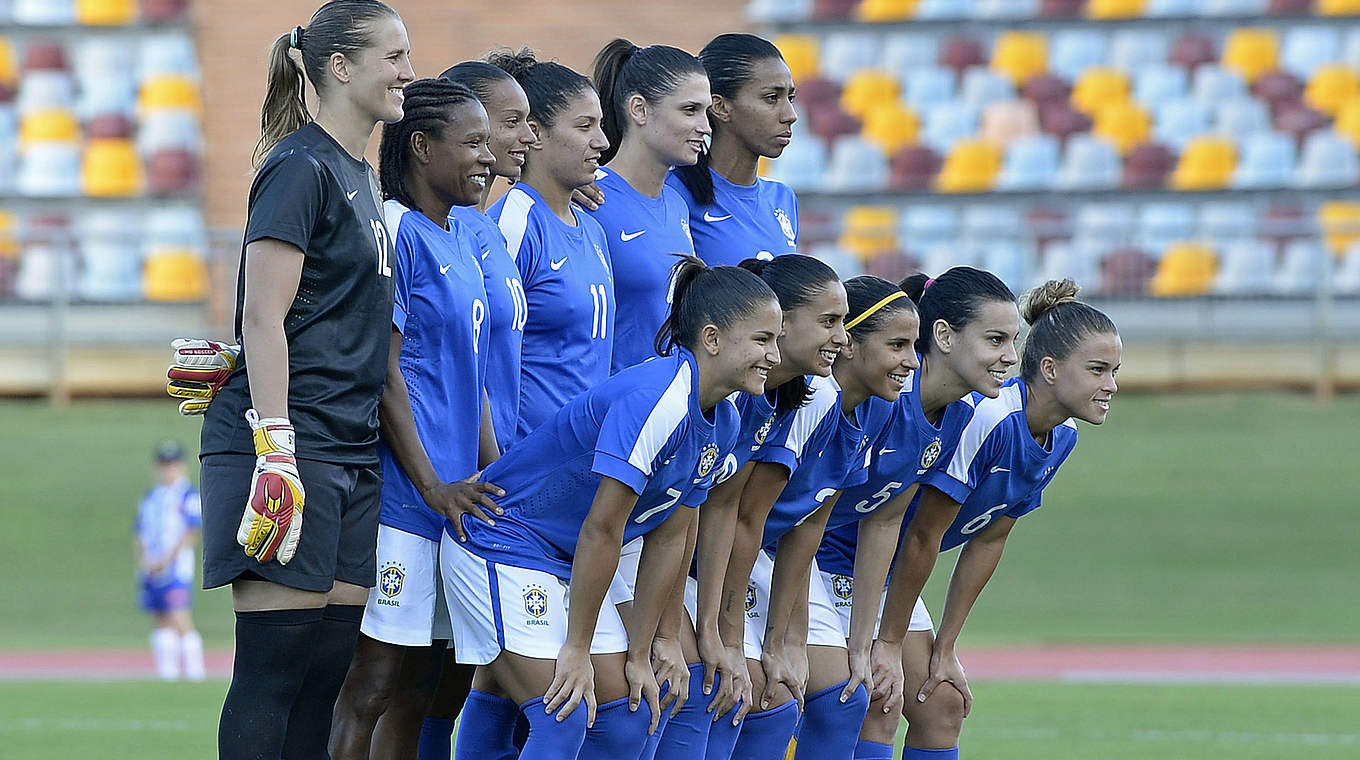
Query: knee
x=940, y=716
x=365, y=699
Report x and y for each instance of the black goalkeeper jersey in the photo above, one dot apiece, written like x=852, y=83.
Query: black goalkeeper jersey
x=309, y=192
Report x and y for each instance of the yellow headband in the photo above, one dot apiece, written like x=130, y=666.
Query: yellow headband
x=869, y=311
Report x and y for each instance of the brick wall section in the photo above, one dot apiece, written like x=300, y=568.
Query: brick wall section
x=234, y=37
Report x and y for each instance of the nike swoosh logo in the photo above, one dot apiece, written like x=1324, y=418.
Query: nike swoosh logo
x=709, y=217
x=883, y=452
x=350, y=195
x=995, y=470
x=486, y=253
x=625, y=237
x=445, y=269
x=556, y=265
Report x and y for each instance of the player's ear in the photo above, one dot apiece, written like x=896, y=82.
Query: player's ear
x=944, y=336
x=637, y=109
x=1048, y=370
x=338, y=65
x=721, y=108
x=538, y=131
x=420, y=147
x=848, y=350
x=710, y=337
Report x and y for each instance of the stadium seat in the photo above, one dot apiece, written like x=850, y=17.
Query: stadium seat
x=110, y=253
x=1241, y=116
x=775, y=11
x=942, y=9
x=1340, y=223
x=1126, y=272
x=1132, y=50
x=1060, y=8
x=985, y=223
x=1278, y=90
x=49, y=169
x=1268, y=160
x=1089, y=163
x=868, y=231
x=914, y=168
x=170, y=92
x=905, y=52
x=1331, y=87
x=866, y=89
x=106, y=12
x=1076, y=50
x=970, y=167
x=801, y=164
x=42, y=90
x=828, y=121
x=845, y=53
x=44, y=55
x=114, y=95
x=1305, y=48
x=1233, y=8
x=1045, y=89
x=106, y=126
x=801, y=53
x=1247, y=267
x=48, y=126
x=1251, y=52
x=111, y=169
x=1155, y=83
x=1004, y=10
x=1014, y=261
x=891, y=265
x=1062, y=259
x=43, y=12
x=1299, y=121
x=1147, y=166
x=1062, y=121
x=1031, y=164
x=948, y=123
x=1346, y=280
x=1193, y=50
x=1348, y=122
x=1110, y=9
x=1328, y=160
x=171, y=275
x=1008, y=120
x=856, y=165
x=1350, y=48
x=1180, y=120
x=1111, y=221
x=1212, y=84
x=1019, y=55
x=164, y=11
x=928, y=86
x=982, y=86
x=890, y=126
x=167, y=54
x=1301, y=268
x=833, y=10
x=1098, y=87
x=9, y=71
x=1207, y=163
x=935, y=261
x=846, y=266
x=927, y=226
x=42, y=270
x=1338, y=7
x=1167, y=8
x=1123, y=123
x=1162, y=223
x=1186, y=269
x=172, y=171
x=961, y=51
x=886, y=10
x=1227, y=221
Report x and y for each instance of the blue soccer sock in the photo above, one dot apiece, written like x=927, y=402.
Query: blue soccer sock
x=618, y=732
x=550, y=739
x=765, y=735
x=722, y=736
x=436, y=739
x=867, y=750
x=486, y=730
x=913, y=753
x=830, y=727
x=686, y=734
x=654, y=741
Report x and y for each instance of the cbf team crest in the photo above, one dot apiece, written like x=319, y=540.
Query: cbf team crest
x=931, y=453
x=785, y=224
x=707, y=458
x=535, y=601
x=750, y=597
x=843, y=586
x=764, y=430
x=391, y=579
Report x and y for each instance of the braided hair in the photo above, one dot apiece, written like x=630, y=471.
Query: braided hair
x=427, y=108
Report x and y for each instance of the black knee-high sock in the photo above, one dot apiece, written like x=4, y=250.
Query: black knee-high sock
x=309, y=722
x=273, y=653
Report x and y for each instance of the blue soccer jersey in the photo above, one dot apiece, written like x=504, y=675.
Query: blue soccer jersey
x=164, y=516
x=507, y=312
x=743, y=222
x=642, y=427
x=569, y=290
x=998, y=469
x=643, y=234
x=441, y=311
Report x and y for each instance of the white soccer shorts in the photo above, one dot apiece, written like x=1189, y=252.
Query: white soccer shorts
x=824, y=625
x=406, y=606
x=841, y=588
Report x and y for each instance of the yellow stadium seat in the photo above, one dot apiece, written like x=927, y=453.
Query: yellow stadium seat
x=866, y=89
x=174, y=274
x=891, y=126
x=1020, y=55
x=1331, y=88
x=970, y=167
x=48, y=125
x=885, y=10
x=1340, y=223
x=1348, y=122
x=1338, y=7
x=1251, y=52
x=111, y=169
x=1186, y=269
x=170, y=91
x=1124, y=124
x=868, y=231
x=1115, y=8
x=9, y=71
x=1207, y=163
x=800, y=52
x=1098, y=86
x=9, y=238
x=106, y=12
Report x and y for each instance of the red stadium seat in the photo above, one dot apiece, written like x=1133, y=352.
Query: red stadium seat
x=172, y=171
x=1126, y=272
x=914, y=168
x=828, y=121
x=1060, y=8
x=1192, y=49
x=1278, y=89
x=833, y=10
x=1299, y=120
x=161, y=11
x=1045, y=89
x=960, y=52
x=1062, y=120
x=42, y=55
x=1146, y=166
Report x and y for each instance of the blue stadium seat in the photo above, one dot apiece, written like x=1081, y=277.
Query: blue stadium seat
x=844, y=53
x=856, y=165
x=1328, y=160
x=1031, y=164
x=167, y=54
x=1110, y=222
x=1245, y=267
x=1307, y=47
x=1267, y=160
x=1014, y=261
x=1004, y=9
x=1233, y=8
x=927, y=226
x=1163, y=223
x=1132, y=50
x=1089, y=163
x=1165, y=8
x=1072, y=51
x=1301, y=267
x=1241, y=116
x=1180, y=120
x=905, y=52
x=943, y=9
x=110, y=255
x=1063, y=258
x=947, y=123
x=802, y=163
x=987, y=223
x=107, y=95
x=1350, y=48
x=1156, y=83
x=1221, y=221
x=940, y=258
x=1347, y=278
x=44, y=12
x=779, y=10
x=981, y=86
x=926, y=87
x=1213, y=83
x=846, y=265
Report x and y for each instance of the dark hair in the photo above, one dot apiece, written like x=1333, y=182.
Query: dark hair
x=549, y=85
x=623, y=69
x=478, y=76
x=427, y=109
x=339, y=26
x=865, y=292
x=729, y=60
x=955, y=296
x=795, y=280
x=1058, y=324
x=705, y=295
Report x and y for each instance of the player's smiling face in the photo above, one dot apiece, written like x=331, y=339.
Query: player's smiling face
x=378, y=73
x=882, y=360
x=814, y=333
x=761, y=114
x=749, y=349
x=508, y=110
x=1084, y=382
x=570, y=149
x=983, y=352
x=677, y=124
x=460, y=159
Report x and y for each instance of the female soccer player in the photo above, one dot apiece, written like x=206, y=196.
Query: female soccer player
x=617, y=462
x=654, y=102
x=167, y=527
x=735, y=214
x=561, y=252
x=315, y=294
x=432, y=422
x=1011, y=445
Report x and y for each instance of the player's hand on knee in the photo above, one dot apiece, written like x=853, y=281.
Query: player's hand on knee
x=198, y=370
x=271, y=525
x=669, y=667
x=781, y=667
x=860, y=673
x=946, y=668
x=885, y=663
x=573, y=681
x=742, y=694
x=642, y=686
x=472, y=496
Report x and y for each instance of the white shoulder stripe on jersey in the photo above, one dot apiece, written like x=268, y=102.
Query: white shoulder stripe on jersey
x=393, y=211
x=826, y=396
x=989, y=413
x=665, y=417
x=514, y=220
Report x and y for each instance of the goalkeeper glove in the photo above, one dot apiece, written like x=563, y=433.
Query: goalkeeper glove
x=272, y=523
x=199, y=370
